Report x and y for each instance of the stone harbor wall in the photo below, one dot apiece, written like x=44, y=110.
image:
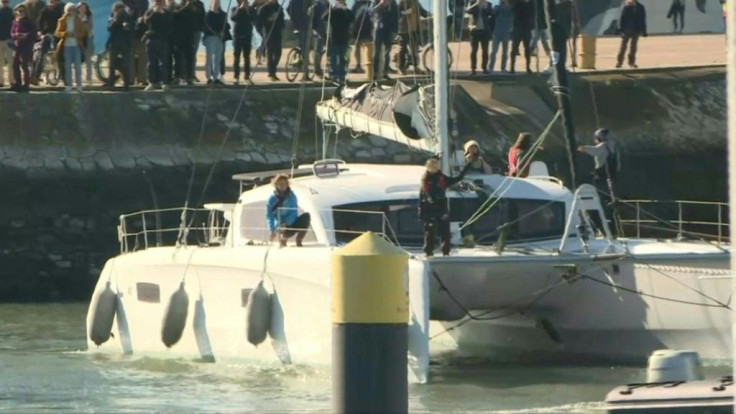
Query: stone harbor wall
x=71, y=164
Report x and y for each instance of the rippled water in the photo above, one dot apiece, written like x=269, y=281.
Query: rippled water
x=44, y=367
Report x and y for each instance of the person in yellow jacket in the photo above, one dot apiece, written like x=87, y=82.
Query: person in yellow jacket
x=72, y=35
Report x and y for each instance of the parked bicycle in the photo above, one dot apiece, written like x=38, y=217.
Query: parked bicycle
x=102, y=66
x=424, y=53
x=295, y=62
x=49, y=65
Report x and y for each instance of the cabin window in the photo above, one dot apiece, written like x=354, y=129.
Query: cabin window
x=540, y=219
x=253, y=225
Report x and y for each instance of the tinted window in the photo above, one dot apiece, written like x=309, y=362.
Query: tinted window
x=539, y=219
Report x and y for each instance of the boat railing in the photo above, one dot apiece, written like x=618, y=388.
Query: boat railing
x=684, y=218
x=162, y=227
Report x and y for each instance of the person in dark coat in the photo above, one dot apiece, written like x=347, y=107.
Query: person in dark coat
x=385, y=26
x=522, y=34
x=362, y=31
x=433, y=209
x=271, y=18
x=6, y=54
x=120, y=28
x=298, y=11
x=158, y=20
x=481, y=28
x=48, y=18
x=540, y=30
x=23, y=33
x=138, y=57
x=633, y=23
x=319, y=13
x=677, y=12
x=340, y=19
x=242, y=17
x=215, y=27
x=457, y=8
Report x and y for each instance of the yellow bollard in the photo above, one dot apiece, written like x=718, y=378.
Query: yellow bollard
x=369, y=60
x=587, y=49
x=370, y=313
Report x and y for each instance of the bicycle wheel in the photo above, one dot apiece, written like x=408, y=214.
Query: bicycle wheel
x=428, y=59
x=50, y=69
x=293, y=64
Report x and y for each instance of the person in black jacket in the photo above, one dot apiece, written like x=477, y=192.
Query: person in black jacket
x=385, y=26
x=540, y=31
x=480, y=32
x=215, y=22
x=433, y=210
x=242, y=17
x=120, y=28
x=677, y=13
x=340, y=19
x=362, y=31
x=633, y=23
x=48, y=19
x=138, y=55
x=522, y=32
x=271, y=17
x=6, y=55
x=158, y=21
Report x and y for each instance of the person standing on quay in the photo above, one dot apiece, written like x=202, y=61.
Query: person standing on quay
x=523, y=25
x=72, y=34
x=632, y=24
x=23, y=33
x=385, y=26
x=362, y=30
x=502, y=30
x=138, y=67
x=120, y=28
x=214, y=29
x=242, y=17
x=271, y=17
x=85, y=14
x=480, y=33
x=339, y=39
x=6, y=54
x=158, y=22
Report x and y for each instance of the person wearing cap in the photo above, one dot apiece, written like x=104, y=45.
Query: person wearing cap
x=433, y=210
x=604, y=156
x=475, y=162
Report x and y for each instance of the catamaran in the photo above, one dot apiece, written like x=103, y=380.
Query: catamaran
x=529, y=274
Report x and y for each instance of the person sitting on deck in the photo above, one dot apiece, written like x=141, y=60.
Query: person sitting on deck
x=282, y=213
x=518, y=166
x=433, y=210
x=476, y=163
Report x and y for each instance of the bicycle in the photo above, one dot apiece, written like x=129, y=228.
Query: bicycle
x=102, y=66
x=294, y=62
x=425, y=54
x=49, y=60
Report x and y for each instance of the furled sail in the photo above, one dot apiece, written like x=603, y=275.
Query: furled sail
x=400, y=113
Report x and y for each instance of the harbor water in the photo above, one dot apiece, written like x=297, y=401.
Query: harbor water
x=45, y=367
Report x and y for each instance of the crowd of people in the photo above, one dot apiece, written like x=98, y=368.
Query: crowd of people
x=156, y=43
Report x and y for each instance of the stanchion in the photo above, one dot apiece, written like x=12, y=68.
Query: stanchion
x=370, y=312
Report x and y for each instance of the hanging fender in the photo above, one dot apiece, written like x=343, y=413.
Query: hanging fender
x=104, y=305
x=175, y=317
x=258, y=315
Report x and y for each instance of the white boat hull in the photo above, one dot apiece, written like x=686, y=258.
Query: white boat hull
x=538, y=310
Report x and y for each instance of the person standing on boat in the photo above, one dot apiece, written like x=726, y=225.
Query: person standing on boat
x=523, y=25
x=480, y=33
x=433, y=209
x=518, y=165
x=476, y=163
x=632, y=24
x=282, y=213
x=605, y=158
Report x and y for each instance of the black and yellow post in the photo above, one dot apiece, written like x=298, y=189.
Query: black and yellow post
x=370, y=312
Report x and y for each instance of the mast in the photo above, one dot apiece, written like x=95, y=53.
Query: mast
x=441, y=86
x=731, y=93
x=562, y=91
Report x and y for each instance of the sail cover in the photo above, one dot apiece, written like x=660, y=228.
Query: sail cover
x=399, y=113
